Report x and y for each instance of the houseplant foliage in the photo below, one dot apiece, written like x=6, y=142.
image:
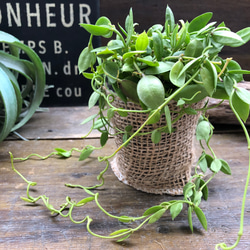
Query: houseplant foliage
x=18, y=105
x=177, y=61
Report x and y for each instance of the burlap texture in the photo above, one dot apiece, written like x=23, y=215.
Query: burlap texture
x=162, y=168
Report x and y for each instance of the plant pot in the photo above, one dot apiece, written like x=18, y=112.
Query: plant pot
x=162, y=168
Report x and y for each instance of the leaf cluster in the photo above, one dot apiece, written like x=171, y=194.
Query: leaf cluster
x=171, y=62
x=172, y=52
x=18, y=105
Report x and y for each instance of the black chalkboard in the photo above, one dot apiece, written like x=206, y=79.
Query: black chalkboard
x=52, y=29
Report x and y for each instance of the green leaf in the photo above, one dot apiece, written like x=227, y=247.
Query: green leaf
x=181, y=36
x=110, y=113
x=38, y=84
x=119, y=92
x=225, y=168
x=156, y=136
x=129, y=87
x=199, y=22
x=170, y=20
x=149, y=61
x=243, y=94
x=194, y=48
x=175, y=209
x=155, y=118
x=175, y=77
x=174, y=35
x=99, y=123
x=156, y=216
x=201, y=216
x=158, y=45
x=190, y=111
x=24, y=67
x=89, y=76
x=84, y=201
x=112, y=71
x=63, y=152
x=189, y=91
x=188, y=190
x=93, y=99
x=209, y=77
x=240, y=107
x=27, y=199
x=129, y=25
x=161, y=68
x=190, y=65
x=124, y=238
x=168, y=118
x=120, y=231
x=128, y=128
x=97, y=30
x=229, y=84
x=244, y=34
x=203, y=163
x=132, y=53
x=197, y=197
x=216, y=165
x=204, y=189
x=105, y=53
x=142, y=41
x=105, y=22
x=88, y=119
x=104, y=138
x=122, y=113
x=125, y=219
x=226, y=37
x=86, y=59
x=233, y=67
x=18, y=95
x=152, y=210
x=86, y=152
x=203, y=131
x=8, y=99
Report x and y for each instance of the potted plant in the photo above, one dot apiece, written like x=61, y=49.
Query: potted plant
x=18, y=105
x=165, y=74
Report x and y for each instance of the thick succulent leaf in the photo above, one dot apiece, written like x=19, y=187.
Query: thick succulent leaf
x=240, y=107
x=39, y=84
x=15, y=85
x=199, y=22
x=23, y=67
x=8, y=96
x=228, y=38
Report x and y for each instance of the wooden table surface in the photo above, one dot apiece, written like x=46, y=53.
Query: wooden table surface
x=25, y=226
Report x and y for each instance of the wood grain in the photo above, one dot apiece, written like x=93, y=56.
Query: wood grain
x=25, y=226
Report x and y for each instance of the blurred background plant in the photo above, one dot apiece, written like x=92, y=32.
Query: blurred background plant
x=18, y=102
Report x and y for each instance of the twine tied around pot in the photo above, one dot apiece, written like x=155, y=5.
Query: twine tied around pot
x=162, y=168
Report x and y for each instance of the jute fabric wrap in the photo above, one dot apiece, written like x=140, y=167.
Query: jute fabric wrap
x=162, y=168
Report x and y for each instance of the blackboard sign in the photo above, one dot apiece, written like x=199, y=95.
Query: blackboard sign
x=52, y=29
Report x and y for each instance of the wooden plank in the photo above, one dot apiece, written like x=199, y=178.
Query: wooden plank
x=58, y=123
x=32, y=227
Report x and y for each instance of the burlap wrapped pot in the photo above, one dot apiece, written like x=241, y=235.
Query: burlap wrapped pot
x=162, y=168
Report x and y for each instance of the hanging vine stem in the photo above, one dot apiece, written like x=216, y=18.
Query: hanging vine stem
x=240, y=233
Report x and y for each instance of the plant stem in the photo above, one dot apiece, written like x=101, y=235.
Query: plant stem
x=150, y=116
x=240, y=233
x=225, y=66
